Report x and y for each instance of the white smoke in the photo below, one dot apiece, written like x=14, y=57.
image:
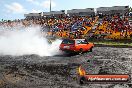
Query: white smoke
x=26, y=41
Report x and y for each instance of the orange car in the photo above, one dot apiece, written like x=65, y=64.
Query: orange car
x=76, y=45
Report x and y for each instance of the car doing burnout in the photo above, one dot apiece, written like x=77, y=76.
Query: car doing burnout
x=76, y=45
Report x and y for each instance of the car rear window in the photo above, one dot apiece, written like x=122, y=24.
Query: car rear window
x=67, y=41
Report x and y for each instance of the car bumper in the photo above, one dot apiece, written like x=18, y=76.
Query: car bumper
x=68, y=50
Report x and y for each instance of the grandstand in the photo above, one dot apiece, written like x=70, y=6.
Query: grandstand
x=109, y=22
x=81, y=12
x=113, y=10
x=84, y=12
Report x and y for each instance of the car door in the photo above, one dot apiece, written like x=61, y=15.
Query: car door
x=85, y=45
x=81, y=44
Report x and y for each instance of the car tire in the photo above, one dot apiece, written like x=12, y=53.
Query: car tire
x=81, y=51
x=91, y=49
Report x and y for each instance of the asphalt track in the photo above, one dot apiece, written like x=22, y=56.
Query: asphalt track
x=60, y=71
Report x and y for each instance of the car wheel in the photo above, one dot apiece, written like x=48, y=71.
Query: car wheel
x=91, y=49
x=81, y=51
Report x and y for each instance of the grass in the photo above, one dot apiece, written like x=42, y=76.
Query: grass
x=113, y=43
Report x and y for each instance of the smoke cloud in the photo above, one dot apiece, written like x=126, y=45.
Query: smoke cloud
x=26, y=41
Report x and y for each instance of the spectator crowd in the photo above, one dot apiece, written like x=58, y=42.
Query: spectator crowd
x=73, y=25
x=115, y=25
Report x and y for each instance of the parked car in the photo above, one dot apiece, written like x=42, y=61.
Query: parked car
x=76, y=45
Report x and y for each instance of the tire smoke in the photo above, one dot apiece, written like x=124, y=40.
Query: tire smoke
x=26, y=41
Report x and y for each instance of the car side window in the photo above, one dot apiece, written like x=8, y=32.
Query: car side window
x=84, y=42
x=78, y=42
x=81, y=42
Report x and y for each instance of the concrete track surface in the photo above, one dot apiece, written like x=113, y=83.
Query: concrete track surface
x=60, y=71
